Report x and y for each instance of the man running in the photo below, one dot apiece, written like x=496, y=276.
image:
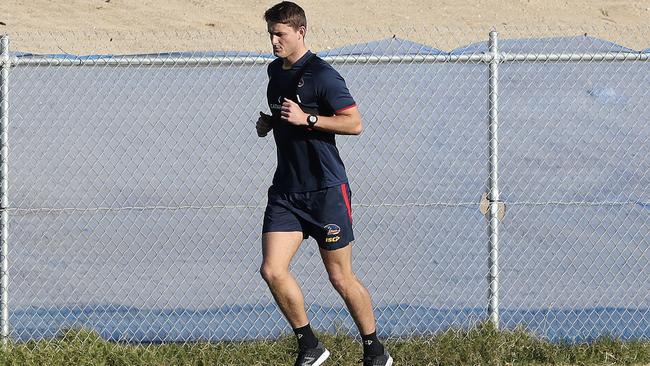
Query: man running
x=310, y=195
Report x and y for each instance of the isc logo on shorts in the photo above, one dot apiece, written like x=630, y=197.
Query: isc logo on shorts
x=333, y=239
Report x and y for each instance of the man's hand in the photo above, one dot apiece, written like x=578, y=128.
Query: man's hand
x=292, y=113
x=263, y=125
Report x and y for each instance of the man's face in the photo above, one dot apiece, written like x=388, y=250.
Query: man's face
x=284, y=39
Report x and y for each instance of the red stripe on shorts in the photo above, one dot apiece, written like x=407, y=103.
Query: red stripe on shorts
x=346, y=198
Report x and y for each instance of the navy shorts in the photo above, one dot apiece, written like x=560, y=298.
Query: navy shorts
x=325, y=215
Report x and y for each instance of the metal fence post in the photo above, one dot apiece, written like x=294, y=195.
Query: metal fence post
x=4, y=218
x=493, y=195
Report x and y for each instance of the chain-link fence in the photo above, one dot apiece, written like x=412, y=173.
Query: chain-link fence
x=137, y=186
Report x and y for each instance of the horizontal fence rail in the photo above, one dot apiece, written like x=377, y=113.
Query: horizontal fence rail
x=157, y=60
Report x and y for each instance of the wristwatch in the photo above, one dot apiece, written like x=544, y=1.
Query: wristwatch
x=312, y=119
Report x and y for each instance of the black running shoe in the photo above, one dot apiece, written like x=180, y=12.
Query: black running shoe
x=382, y=360
x=312, y=356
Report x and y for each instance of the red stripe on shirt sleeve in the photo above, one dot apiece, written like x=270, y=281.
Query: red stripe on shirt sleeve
x=346, y=108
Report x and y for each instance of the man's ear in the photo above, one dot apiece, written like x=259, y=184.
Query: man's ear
x=303, y=31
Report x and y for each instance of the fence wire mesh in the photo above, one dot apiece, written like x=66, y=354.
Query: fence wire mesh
x=574, y=169
x=137, y=193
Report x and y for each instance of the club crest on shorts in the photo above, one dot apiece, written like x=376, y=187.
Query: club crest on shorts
x=332, y=229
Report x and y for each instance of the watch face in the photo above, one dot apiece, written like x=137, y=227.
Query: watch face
x=312, y=118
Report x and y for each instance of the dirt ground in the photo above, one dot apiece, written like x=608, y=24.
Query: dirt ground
x=135, y=26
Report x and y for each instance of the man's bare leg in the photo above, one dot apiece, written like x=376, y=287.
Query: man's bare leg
x=278, y=248
x=338, y=264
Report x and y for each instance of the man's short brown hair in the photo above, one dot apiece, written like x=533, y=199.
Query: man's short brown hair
x=287, y=13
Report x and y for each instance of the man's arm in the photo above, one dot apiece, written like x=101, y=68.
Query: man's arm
x=345, y=122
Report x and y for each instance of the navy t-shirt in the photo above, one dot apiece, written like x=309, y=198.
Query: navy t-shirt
x=308, y=160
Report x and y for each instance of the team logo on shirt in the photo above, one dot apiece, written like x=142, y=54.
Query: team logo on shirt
x=301, y=82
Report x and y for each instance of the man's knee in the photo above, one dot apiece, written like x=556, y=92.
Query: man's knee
x=272, y=274
x=342, y=282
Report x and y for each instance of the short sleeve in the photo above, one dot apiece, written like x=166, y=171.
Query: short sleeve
x=332, y=88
